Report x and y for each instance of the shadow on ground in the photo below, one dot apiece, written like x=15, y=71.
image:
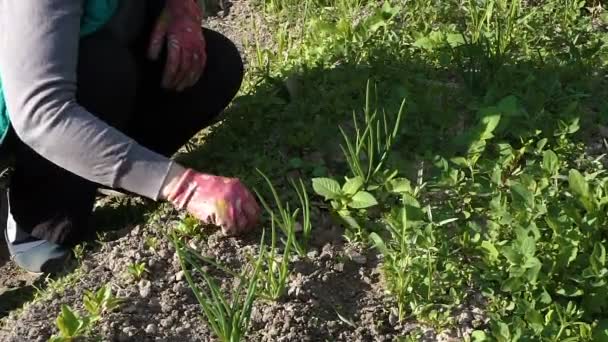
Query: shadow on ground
x=289, y=127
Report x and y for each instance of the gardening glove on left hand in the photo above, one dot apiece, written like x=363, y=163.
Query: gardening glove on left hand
x=222, y=201
x=179, y=25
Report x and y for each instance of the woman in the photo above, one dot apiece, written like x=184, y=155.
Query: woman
x=101, y=93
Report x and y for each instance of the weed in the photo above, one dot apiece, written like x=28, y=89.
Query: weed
x=345, y=199
x=151, y=242
x=99, y=302
x=189, y=227
x=73, y=325
x=137, y=270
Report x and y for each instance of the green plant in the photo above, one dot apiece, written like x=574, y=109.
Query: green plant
x=287, y=220
x=368, y=153
x=189, y=227
x=501, y=96
x=79, y=251
x=275, y=273
x=228, y=318
x=137, y=270
x=349, y=201
x=99, y=302
x=71, y=325
x=151, y=242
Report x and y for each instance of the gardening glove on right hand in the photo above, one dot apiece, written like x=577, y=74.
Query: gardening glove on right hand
x=222, y=201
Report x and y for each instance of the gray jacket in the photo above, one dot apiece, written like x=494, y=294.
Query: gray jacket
x=38, y=56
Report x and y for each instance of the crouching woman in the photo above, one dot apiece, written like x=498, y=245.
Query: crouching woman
x=101, y=93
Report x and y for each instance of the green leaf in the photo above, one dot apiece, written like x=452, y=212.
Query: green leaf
x=500, y=330
x=460, y=161
x=598, y=257
x=578, y=184
x=535, y=320
x=512, y=255
x=545, y=298
x=522, y=195
x=68, y=322
x=509, y=106
x=379, y=243
x=400, y=185
x=533, y=266
x=512, y=284
x=490, y=122
x=353, y=185
x=550, y=162
x=527, y=246
x=491, y=251
x=479, y=336
x=455, y=39
x=326, y=187
x=362, y=199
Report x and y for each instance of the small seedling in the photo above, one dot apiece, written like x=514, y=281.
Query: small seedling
x=348, y=202
x=189, y=227
x=275, y=274
x=71, y=325
x=99, y=302
x=397, y=262
x=286, y=220
x=368, y=153
x=228, y=318
x=137, y=270
x=79, y=251
x=151, y=242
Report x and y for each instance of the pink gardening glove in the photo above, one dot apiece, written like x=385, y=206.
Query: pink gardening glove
x=180, y=25
x=224, y=202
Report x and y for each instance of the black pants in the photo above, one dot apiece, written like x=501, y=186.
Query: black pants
x=119, y=85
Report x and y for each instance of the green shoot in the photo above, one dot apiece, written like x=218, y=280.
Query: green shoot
x=71, y=325
x=286, y=219
x=276, y=273
x=372, y=144
x=100, y=302
x=189, y=227
x=151, y=242
x=137, y=270
x=228, y=318
x=397, y=263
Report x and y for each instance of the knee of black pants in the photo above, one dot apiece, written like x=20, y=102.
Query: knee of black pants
x=224, y=68
x=106, y=78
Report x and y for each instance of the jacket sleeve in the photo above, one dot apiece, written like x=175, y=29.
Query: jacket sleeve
x=38, y=58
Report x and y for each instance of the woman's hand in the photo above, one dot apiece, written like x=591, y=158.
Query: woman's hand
x=222, y=201
x=179, y=26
